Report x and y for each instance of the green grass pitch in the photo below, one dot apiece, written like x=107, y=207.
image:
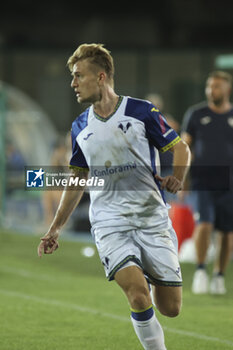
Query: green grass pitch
x=64, y=302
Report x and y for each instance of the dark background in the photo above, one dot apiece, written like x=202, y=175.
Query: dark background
x=164, y=47
x=167, y=48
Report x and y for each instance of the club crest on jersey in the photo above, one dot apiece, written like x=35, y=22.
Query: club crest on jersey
x=205, y=120
x=124, y=126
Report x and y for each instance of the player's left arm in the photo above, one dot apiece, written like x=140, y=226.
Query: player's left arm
x=181, y=162
x=164, y=138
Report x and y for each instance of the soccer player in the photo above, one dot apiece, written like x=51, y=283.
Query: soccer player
x=119, y=137
x=208, y=130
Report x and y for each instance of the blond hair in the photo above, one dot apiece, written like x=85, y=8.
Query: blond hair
x=96, y=54
x=221, y=75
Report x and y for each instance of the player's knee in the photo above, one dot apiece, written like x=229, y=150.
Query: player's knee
x=139, y=297
x=171, y=310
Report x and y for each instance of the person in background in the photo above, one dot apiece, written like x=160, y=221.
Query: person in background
x=208, y=129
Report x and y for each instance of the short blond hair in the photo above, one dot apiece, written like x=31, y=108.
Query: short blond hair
x=221, y=75
x=97, y=55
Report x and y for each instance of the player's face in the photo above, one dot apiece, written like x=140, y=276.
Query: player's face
x=85, y=82
x=217, y=90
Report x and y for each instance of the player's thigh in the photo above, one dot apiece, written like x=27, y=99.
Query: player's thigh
x=132, y=281
x=168, y=299
x=117, y=250
x=130, y=276
x=160, y=257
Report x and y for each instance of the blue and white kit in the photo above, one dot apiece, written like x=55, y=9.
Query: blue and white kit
x=123, y=150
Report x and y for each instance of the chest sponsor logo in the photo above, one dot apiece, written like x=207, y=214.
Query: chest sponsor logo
x=205, y=120
x=112, y=170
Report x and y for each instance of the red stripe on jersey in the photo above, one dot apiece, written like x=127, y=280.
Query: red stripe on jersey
x=162, y=124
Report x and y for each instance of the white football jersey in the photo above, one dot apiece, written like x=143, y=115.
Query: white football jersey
x=123, y=150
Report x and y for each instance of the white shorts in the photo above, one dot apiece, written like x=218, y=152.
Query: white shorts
x=155, y=253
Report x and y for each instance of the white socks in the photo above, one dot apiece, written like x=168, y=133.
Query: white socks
x=148, y=329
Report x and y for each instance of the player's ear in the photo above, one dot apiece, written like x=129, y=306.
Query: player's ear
x=101, y=77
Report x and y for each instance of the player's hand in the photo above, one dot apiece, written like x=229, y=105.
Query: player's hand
x=48, y=244
x=170, y=183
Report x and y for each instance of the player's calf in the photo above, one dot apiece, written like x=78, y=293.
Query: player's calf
x=168, y=300
x=148, y=329
x=170, y=311
x=145, y=323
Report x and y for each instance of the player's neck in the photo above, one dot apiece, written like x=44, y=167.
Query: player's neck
x=107, y=104
x=221, y=108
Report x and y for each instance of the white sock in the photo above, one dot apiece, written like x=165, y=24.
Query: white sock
x=148, y=329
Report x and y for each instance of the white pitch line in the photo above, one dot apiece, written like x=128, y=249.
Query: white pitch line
x=198, y=336
x=108, y=315
x=25, y=273
x=62, y=304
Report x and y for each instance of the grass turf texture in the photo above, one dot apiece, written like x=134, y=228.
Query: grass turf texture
x=64, y=302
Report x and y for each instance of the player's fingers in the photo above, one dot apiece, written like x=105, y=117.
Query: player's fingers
x=39, y=249
x=52, y=247
x=45, y=244
x=56, y=246
x=171, y=185
x=51, y=250
x=164, y=183
x=174, y=185
x=173, y=190
x=158, y=177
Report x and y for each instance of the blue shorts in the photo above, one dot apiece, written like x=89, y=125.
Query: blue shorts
x=215, y=207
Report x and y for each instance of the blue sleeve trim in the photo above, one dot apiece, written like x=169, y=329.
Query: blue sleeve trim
x=78, y=125
x=158, y=132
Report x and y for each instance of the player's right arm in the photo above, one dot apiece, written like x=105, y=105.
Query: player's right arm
x=69, y=200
